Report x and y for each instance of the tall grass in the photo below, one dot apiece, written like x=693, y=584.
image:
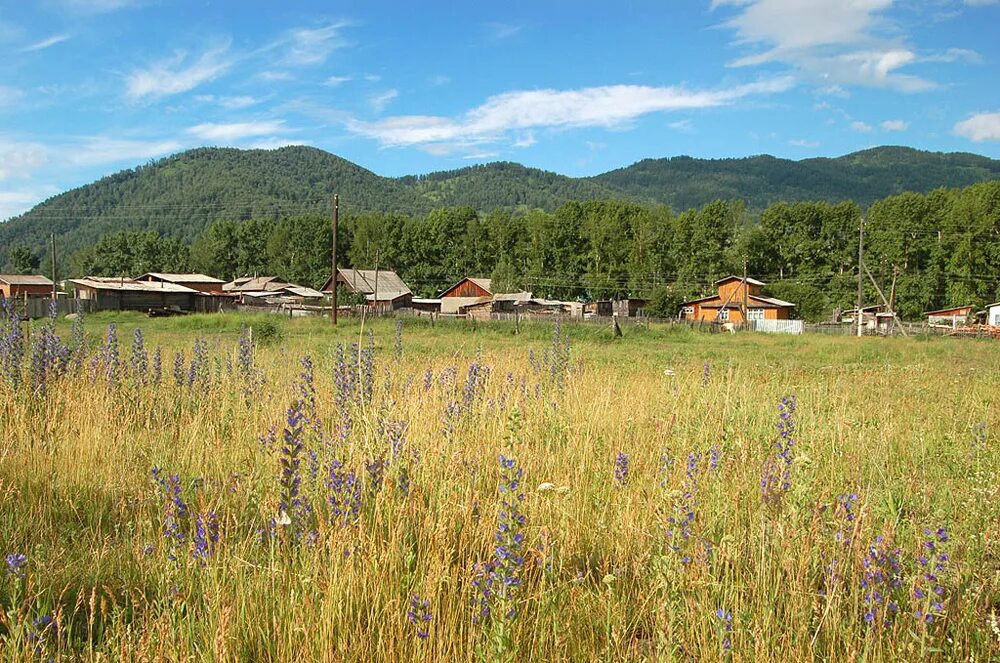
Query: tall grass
x=354, y=499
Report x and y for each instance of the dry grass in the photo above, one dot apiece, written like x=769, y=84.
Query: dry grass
x=889, y=420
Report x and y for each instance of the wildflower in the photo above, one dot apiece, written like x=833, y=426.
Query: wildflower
x=419, y=615
x=776, y=478
x=978, y=446
x=725, y=628
x=397, y=341
x=929, y=590
x=139, y=361
x=110, y=357
x=290, y=479
x=345, y=494
x=881, y=583
x=16, y=563
x=175, y=512
x=621, y=469
x=206, y=535
x=706, y=374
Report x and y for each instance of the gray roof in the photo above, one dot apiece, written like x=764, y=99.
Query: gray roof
x=181, y=278
x=25, y=279
x=133, y=286
x=363, y=281
x=739, y=278
x=512, y=296
x=257, y=283
x=772, y=300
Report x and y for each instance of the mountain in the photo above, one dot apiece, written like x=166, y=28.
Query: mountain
x=864, y=177
x=181, y=194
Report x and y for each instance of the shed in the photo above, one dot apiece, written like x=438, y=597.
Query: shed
x=956, y=316
x=128, y=295
x=628, y=308
x=13, y=286
x=727, y=303
x=426, y=305
x=378, y=287
x=199, y=282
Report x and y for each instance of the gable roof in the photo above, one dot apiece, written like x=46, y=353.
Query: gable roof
x=180, y=278
x=363, y=282
x=25, y=279
x=726, y=279
x=478, y=281
x=780, y=303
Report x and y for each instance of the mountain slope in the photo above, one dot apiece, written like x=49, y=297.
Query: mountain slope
x=866, y=176
x=182, y=194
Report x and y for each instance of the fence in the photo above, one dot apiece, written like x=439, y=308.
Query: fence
x=778, y=326
x=40, y=307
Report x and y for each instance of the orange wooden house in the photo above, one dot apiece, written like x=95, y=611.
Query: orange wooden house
x=14, y=286
x=727, y=304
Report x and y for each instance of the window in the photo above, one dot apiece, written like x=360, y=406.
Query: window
x=723, y=314
x=755, y=314
x=687, y=311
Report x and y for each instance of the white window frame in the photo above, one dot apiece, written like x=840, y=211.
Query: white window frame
x=724, y=314
x=754, y=314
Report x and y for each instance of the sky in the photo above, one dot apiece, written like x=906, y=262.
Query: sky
x=89, y=87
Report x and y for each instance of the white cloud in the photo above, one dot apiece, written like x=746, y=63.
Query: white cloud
x=832, y=42
x=526, y=139
x=684, y=126
x=272, y=76
x=481, y=155
x=171, y=77
x=440, y=79
x=273, y=143
x=980, y=127
x=335, y=81
x=607, y=106
x=20, y=159
x=97, y=150
x=895, y=125
x=802, y=142
x=229, y=103
x=502, y=30
x=45, y=43
x=18, y=201
x=236, y=131
x=380, y=101
x=861, y=127
x=312, y=46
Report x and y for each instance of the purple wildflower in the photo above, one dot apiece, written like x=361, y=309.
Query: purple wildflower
x=16, y=563
x=419, y=615
x=621, y=469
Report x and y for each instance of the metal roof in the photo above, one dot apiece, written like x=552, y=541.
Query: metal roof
x=363, y=281
x=303, y=291
x=181, y=278
x=771, y=300
x=739, y=278
x=953, y=309
x=25, y=279
x=512, y=296
x=133, y=286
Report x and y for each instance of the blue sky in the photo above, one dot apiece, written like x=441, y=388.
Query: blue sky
x=88, y=87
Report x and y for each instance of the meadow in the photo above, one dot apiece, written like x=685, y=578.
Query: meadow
x=256, y=488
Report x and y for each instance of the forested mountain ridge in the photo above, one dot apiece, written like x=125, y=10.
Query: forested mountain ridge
x=179, y=196
x=863, y=177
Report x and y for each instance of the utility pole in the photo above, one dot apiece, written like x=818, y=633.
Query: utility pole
x=54, y=267
x=746, y=302
x=861, y=261
x=333, y=260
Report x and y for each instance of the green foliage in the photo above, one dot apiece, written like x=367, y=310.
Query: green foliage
x=665, y=300
x=131, y=254
x=22, y=260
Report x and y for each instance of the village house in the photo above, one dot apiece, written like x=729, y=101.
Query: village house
x=727, y=304
x=470, y=291
x=199, y=282
x=382, y=288
x=993, y=315
x=270, y=290
x=956, y=316
x=16, y=286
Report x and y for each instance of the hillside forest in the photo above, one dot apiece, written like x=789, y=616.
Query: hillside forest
x=940, y=248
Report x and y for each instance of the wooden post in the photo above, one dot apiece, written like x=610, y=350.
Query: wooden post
x=54, y=298
x=861, y=261
x=333, y=258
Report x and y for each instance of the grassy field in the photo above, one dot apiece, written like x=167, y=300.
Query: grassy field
x=453, y=493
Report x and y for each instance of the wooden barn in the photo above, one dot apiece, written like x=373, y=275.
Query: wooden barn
x=129, y=295
x=469, y=291
x=727, y=304
x=956, y=316
x=15, y=286
x=199, y=282
x=382, y=287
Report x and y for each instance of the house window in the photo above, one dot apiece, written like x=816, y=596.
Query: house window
x=755, y=314
x=723, y=314
x=687, y=311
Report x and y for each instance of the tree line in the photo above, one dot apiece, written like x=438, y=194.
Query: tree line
x=940, y=249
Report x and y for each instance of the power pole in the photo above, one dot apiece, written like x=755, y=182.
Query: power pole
x=861, y=261
x=54, y=267
x=746, y=301
x=333, y=260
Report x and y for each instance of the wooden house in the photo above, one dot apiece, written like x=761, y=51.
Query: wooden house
x=727, y=304
x=467, y=292
x=382, y=287
x=993, y=315
x=956, y=316
x=128, y=295
x=199, y=282
x=16, y=286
